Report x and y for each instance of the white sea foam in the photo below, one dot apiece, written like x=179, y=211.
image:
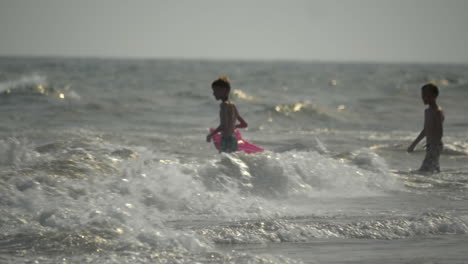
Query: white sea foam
x=426, y=224
x=24, y=81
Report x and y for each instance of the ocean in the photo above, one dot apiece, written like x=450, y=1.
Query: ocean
x=105, y=161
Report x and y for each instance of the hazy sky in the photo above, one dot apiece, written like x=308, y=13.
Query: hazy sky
x=343, y=30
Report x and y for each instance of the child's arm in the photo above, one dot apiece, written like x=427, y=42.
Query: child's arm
x=416, y=141
x=210, y=135
x=422, y=134
x=242, y=124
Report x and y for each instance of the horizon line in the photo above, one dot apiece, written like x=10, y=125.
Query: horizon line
x=254, y=60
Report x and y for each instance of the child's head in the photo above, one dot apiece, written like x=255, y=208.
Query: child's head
x=429, y=93
x=221, y=88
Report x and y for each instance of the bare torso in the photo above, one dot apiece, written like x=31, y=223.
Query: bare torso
x=433, y=125
x=228, y=117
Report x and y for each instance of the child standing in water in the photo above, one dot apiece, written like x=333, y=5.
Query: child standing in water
x=433, y=129
x=228, y=116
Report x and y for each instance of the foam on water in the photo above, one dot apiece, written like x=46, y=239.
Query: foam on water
x=62, y=205
x=14, y=151
x=189, y=186
x=267, y=231
x=29, y=87
x=24, y=81
x=78, y=184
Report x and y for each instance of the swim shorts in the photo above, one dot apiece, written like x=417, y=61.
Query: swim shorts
x=228, y=144
x=431, y=161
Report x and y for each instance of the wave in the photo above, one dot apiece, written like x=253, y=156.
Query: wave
x=86, y=194
x=95, y=244
x=14, y=151
x=312, y=110
x=457, y=83
x=63, y=184
x=305, y=116
x=267, y=231
x=33, y=80
x=239, y=94
x=35, y=85
x=456, y=148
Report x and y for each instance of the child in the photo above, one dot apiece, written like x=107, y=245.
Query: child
x=228, y=116
x=433, y=129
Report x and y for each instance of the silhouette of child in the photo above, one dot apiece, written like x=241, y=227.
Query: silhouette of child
x=228, y=116
x=433, y=129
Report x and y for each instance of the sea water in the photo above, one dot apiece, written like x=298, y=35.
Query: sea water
x=105, y=161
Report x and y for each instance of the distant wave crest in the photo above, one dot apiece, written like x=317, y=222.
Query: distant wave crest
x=35, y=85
